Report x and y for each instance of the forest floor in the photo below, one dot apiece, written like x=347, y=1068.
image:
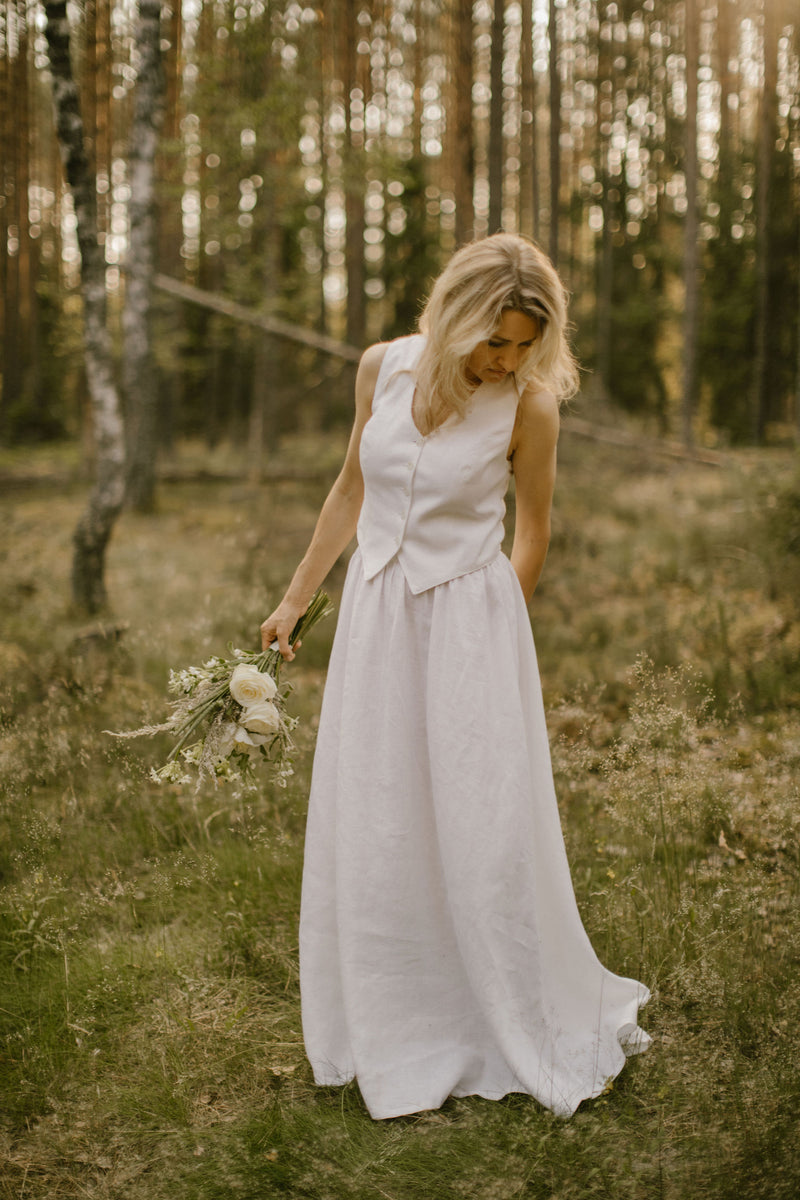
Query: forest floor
x=150, y=1038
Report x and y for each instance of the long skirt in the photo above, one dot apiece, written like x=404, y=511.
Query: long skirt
x=441, y=948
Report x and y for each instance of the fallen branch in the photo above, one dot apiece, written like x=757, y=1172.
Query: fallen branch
x=621, y=437
x=250, y=316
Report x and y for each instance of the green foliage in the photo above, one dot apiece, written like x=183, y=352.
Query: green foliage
x=150, y=1037
x=413, y=256
x=727, y=335
x=48, y=406
x=638, y=316
x=779, y=527
x=727, y=341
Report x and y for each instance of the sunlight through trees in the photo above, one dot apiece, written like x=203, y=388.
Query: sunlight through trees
x=319, y=163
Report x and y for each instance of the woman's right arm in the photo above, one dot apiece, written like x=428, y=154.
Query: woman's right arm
x=337, y=520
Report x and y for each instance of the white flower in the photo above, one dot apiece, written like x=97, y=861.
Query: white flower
x=181, y=681
x=248, y=742
x=226, y=738
x=250, y=686
x=171, y=772
x=242, y=739
x=261, y=718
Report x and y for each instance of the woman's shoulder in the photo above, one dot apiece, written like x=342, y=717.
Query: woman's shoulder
x=387, y=357
x=538, y=405
x=372, y=358
x=537, y=421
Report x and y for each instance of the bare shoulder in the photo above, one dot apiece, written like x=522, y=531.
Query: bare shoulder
x=537, y=422
x=539, y=407
x=370, y=363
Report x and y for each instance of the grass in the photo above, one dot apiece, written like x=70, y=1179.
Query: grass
x=150, y=1039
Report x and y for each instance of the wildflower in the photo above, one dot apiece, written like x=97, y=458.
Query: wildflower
x=229, y=713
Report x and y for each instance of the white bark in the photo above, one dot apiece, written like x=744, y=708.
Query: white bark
x=105, y=500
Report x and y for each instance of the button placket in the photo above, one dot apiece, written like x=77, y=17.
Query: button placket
x=409, y=469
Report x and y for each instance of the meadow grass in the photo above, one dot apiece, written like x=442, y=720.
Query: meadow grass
x=150, y=1041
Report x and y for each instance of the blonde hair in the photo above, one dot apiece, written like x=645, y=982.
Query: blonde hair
x=483, y=280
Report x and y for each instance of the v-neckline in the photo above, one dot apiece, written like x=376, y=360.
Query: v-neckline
x=437, y=428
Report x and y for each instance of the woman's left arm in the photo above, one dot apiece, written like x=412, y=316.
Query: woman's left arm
x=533, y=460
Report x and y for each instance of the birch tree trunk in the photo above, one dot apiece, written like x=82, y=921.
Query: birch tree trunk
x=690, y=252
x=105, y=500
x=140, y=386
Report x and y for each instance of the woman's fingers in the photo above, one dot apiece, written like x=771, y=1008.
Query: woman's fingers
x=272, y=631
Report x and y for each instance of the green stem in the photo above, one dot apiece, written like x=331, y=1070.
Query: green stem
x=268, y=661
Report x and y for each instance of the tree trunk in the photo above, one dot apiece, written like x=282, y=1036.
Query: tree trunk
x=766, y=147
x=354, y=175
x=797, y=344
x=105, y=500
x=25, y=252
x=690, y=251
x=101, y=98
x=604, y=246
x=495, y=154
x=724, y=43
x=555, y=132
x=140, y=385
x=325, y=77
x=418, y=78
x=529, y=174
x=9, y=221
x=263, y=415
x=464, y=147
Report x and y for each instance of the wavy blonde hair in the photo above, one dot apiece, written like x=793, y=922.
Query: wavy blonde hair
x=483, y=280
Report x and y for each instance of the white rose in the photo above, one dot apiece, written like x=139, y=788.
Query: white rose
x=248, y=742
x=249, y=686
x=261, y=718
x=242, y=739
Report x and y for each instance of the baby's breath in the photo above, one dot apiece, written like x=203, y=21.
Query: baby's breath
x=210, y=726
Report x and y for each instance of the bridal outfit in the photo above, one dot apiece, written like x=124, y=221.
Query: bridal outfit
x=441, y=948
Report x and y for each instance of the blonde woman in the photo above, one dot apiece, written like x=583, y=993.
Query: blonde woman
x=441, y=949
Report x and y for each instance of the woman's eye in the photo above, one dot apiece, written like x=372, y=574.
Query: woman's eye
x=495, y=345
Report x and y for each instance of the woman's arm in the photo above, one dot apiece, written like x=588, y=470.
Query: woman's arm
x=337, y=520
x=533, y=459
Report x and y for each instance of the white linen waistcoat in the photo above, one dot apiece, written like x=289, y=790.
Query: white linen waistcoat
x=437, y=502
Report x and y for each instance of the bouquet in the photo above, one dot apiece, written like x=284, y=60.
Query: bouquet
x=229, y=714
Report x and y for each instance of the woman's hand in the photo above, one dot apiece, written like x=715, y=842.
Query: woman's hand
x=279, y=625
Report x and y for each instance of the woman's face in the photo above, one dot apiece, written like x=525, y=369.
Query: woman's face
x=491, y=361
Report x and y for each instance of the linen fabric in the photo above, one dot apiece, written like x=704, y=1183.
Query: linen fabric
x=456, y=476
x=441, y=948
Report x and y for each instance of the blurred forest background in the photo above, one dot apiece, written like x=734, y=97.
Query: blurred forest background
x=318, y=165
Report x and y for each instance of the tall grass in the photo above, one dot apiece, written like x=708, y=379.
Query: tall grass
x=150, y=1040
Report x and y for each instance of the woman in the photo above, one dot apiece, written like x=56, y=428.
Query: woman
x=441, y=949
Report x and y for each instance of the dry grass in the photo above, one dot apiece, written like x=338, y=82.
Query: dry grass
x=149, y=1019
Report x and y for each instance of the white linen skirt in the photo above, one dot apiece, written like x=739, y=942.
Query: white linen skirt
x=441, y=948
